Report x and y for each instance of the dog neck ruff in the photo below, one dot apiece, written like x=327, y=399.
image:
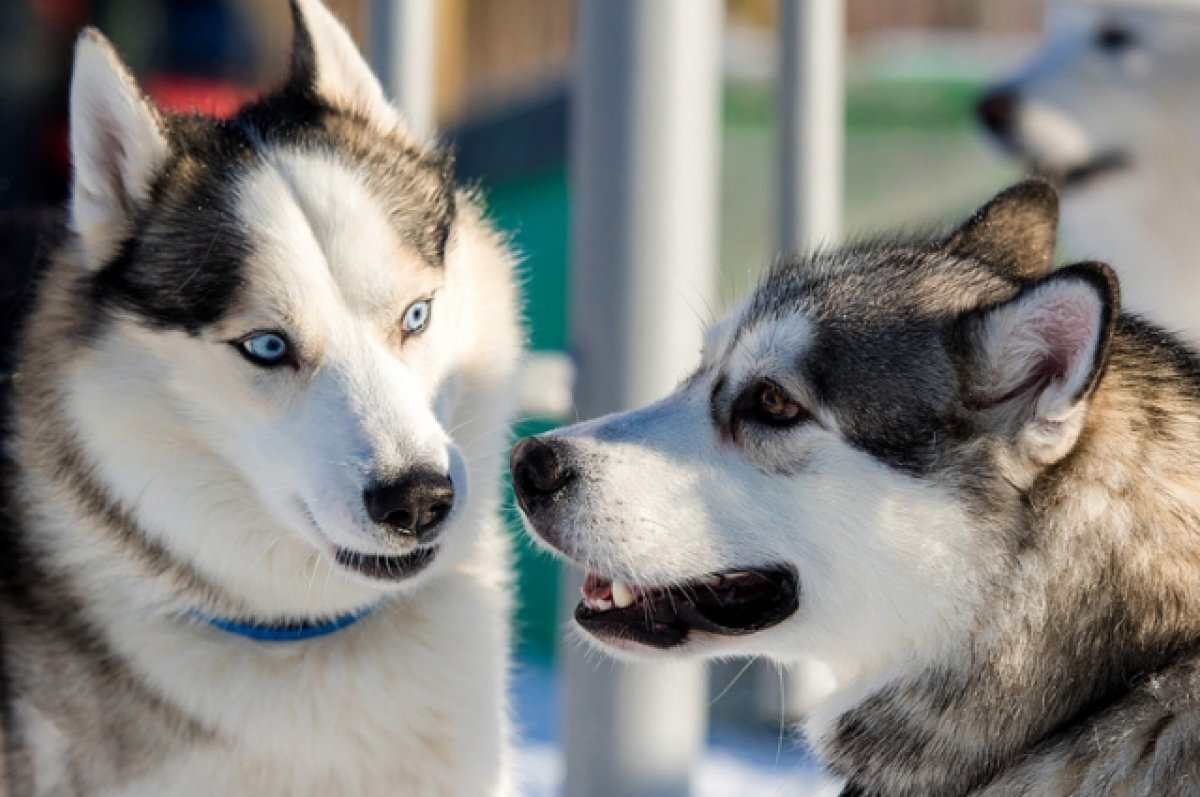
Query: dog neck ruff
x=288, y=630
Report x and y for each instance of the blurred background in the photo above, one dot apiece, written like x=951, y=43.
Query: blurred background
x=916, y=152
x=501, y=74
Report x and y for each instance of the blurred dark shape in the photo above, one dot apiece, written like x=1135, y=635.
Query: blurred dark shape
x=1114, y=37
x=523, y=137
x=62, y=13
x=997, y=111
x=27, y=239
x=203, y=38
x=193, y=54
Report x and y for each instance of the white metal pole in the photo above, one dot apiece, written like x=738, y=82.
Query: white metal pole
x=403, y=35
x=644, y=149
x=811, y=127
x=811, y=141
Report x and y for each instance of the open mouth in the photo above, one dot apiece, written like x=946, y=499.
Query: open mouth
x=733, y=603
x=386, y=568
x=1083, y=173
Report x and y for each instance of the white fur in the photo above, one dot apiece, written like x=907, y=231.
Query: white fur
x=302, y=444
x=418, y=684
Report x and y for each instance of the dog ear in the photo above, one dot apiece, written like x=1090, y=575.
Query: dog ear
x=1033, y=362
x=1016, y=231
x=327, y=64
x=118, y=145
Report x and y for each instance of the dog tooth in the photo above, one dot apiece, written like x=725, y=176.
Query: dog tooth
x=598, y=604
x=622, y=595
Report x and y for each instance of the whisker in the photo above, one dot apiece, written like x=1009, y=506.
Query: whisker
x=732, y=681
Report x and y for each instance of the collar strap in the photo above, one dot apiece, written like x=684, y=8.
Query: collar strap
x=287, y=630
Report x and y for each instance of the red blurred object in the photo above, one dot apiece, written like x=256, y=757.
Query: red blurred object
x=62, y=13
x=184, y=94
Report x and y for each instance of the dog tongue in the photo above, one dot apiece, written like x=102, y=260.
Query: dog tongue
x=597, y=588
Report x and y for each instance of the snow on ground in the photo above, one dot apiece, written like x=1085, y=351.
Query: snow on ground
x=736, y=763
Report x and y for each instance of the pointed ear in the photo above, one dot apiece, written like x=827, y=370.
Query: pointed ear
x=118, y=145
x=1016, y=231
x=325, y=62
x=1034, y=361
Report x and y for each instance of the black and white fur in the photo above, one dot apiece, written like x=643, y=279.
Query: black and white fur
x=157, y=474
x=964, y=484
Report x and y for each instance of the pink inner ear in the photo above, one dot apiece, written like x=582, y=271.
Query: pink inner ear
x=1042, y=344
x=112, y=149
x=1067, y=324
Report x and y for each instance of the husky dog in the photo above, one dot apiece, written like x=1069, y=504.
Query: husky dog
x=1110, y=109
x=965, y=484
x=251, y=541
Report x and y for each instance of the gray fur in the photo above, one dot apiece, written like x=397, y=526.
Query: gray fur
x=1085, y=677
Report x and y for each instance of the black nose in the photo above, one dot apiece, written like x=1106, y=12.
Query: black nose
x=539, y=470
x=997, y=110
x=413, y=505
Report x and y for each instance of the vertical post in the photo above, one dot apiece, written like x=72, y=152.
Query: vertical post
x=811, y=140
x=811, y=128
x=644, y=149
x=403, y=34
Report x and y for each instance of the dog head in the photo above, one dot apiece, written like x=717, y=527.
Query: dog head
x=275, y=318
x=1111, y=89
x=841, y=476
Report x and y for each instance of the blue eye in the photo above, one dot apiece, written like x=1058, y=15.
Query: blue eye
x=416, y=317
x=265, y=348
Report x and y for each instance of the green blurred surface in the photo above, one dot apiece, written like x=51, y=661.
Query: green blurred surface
x=534, y=212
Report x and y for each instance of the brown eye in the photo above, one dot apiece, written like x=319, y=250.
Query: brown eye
x=773, y=404
x=765, y=404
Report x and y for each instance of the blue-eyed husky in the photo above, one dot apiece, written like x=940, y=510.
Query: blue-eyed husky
x=964, y=483
x=250, y=537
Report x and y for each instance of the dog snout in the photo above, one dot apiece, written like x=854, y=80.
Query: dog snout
x=415, y=505
x=540, y=470
x=997, y=110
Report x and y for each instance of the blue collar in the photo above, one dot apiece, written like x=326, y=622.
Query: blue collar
x=288, y=630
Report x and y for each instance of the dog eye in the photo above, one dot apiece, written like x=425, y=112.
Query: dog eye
x=766, y=403
x=774, y=404
x=1114, y=38
x=416, y=317
x=265, y=348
